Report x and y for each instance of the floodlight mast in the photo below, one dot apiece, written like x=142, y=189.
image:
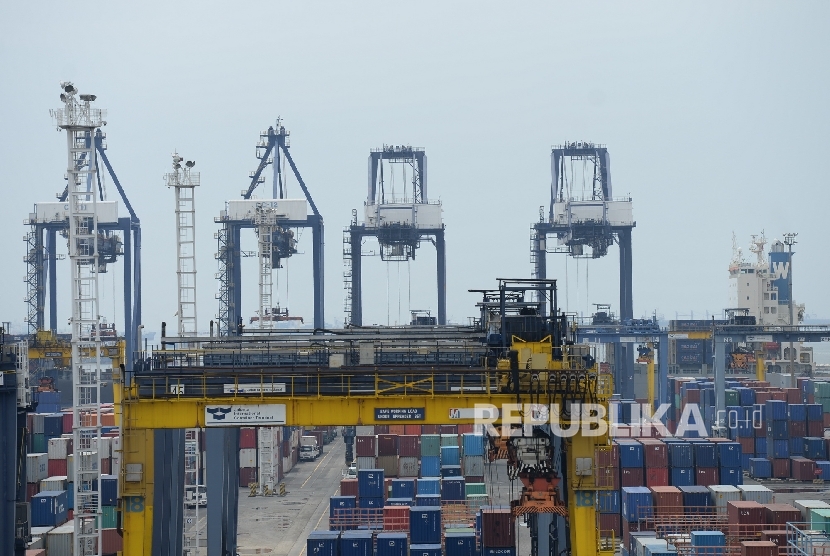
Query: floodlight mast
x=80, y=119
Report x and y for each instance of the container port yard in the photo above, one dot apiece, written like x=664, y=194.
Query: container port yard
x=499, y=353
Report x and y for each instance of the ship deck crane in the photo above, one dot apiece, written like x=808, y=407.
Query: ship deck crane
x=280, y=215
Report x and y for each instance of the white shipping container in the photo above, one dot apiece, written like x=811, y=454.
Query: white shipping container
x=115, y=464
x=89, y=460
x=473, y=466
x=284, y=209
x=805, y=506
x=57, y=482
x=366, y=463
x=106, y=447
x=37, y=423
x=56, y=211
x=408, y=466
x=365, y=430
x=37, y=467
x=59, y=540
x=756, y=493
x=247, y=457
x=37, y=543
x=70, y=466
x=59, y=447
x=723, y=494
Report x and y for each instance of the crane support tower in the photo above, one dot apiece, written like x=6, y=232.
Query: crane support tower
x=399, y=222
x=282, y=214
x=184, y=182
x=52, y=218
x=585, y=224
x=80, y=119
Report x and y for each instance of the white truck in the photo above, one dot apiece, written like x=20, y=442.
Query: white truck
x=309, y=450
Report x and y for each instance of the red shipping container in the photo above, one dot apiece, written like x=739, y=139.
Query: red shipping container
x=106, y=466
x=430, y=429
x=796, y=429
x=497, y=528
x=381, y=429
x=814, y=428
x=474, y=479
x=70, y=515
x=657, y=477
x=609, y=523
x=409, y=446
x=759, y=548
x=825, y=419
x=36, y=552
x=31, y=490
x=365, y=446
x=780, y=396
x=608, y=458
x=387, y=445
x=348, y=487
x=606, y=477
x=67, y=423
x=781, y=468
x=802, y=469
x=111, y=541
x=247, y=437
x=793, y=395
x=627, y=529
x=631, y=477
x=760, y=429
x=396, y=518
x=387, y=488
x=668, y=500
x=656, y=453
x=778, y=536
x=449, y=429
x=414, y=430
x=57, y=467
x=762, y=397
x=468, y=428
x=745, y=518
x=397, y=429
x=811, y=398
x=247, y=475
x=705, y=476
x=747, y=445
x=692, y=396
x=780, y=514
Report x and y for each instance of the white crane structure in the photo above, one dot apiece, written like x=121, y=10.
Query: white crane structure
x=194, y=494
x=80, y=119
x=266, y=222
x=184, y=182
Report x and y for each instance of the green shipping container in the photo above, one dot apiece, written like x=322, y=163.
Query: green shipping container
x=430, y=445
x=39, y=444
x=478, y=500
x=732, y=397
x=449, y=440
x=475, y=488
x=825, y=405
x=822, y=390
x=108, y=517
x=820, y=519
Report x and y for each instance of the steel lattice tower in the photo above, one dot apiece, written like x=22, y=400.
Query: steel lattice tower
x=184, y=182
x=80, y=120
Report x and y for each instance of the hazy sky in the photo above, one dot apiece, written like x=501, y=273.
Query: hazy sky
x=716, y=116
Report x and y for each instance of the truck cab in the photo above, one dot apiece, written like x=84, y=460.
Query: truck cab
x=309, y=450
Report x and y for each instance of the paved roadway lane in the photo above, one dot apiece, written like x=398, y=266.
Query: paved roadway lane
x=280, y=525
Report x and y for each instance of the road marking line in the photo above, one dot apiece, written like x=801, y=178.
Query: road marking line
x=315, y=469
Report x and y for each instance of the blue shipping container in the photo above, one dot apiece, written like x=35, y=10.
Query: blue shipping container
x=356, y=543
x=682, y=476
x=425, y=525
x=747, y=396
x=451, y=471
x=731, y=476
x=460, y=544
x=425, y=550
x=323, y=543
x=760, y=468
x=403, y=488
x=450, y=455
x=341, y=503
x=48, y=408
x=777, y=430
x=631, y=454
x=608, y=501
x=430, y=466
x=453, y=488
x=498, y=551
x=636, y=503
x=776, y=410
x=53, y=425
x=708, y=538
x=696, y=496
x=70, y=495
x=49, y=508
x=761, y=445
x=729, y=454
x=109, y=490
x=814, y=411
x=429, y=486
x=392, y=544
x=706, y=454
x=796, y=446
x=399, y=501
x=370, y=483
x=473, y=444
x=796, y=412
x=428, y=500
x=824, y=467
x=367, y=502
x=779, y=448
x=48, y=397
x=814, y=448
x=745, y=461
x=681, y=454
